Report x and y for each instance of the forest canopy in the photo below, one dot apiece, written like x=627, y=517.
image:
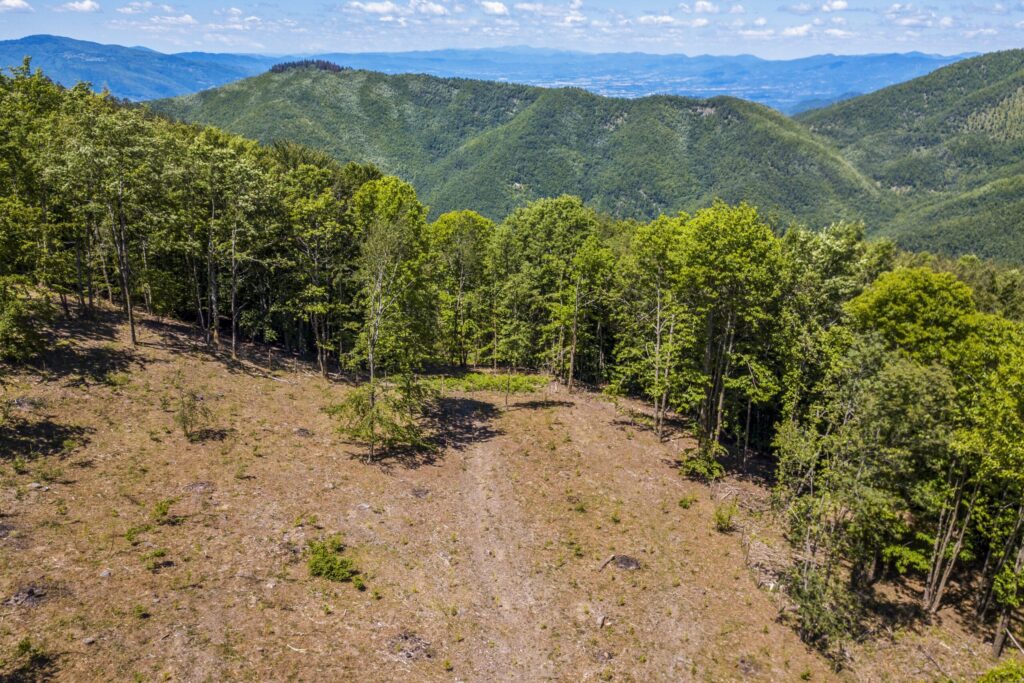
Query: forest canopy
x=887, y=387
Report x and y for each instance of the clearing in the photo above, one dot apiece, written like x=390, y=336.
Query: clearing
x=127, y=550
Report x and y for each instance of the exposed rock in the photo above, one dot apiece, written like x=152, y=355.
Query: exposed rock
x=626, y=562
x=409, y=646
x=27, y=596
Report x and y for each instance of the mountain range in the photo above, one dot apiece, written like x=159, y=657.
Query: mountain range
x=936, y=163
x=137, y=73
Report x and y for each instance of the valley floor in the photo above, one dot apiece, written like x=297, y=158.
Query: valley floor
x=482, y=563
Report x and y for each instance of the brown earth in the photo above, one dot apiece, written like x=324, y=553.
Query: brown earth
x=483, y=562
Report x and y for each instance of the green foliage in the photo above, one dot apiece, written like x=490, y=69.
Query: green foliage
x=162, y=511
x=386, y=414
x=191, y=414
x=1007, y=672
x=686, y=502
x=725, y=517
x=22, y=320
x=327, y=561
x=827, y=615
x=702, y=466
x=946, y=148
x=483, y=381
x=495, y=146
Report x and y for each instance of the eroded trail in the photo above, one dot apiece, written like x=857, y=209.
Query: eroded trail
x=509, y=601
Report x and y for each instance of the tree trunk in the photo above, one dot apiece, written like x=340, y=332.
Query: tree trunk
x=1007, y=611
x=575, y=329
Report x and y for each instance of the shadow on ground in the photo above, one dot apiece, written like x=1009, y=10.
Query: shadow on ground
x=20, y=436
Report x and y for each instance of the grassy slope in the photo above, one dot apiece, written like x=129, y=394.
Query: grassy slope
x=490, y=146
x=951, y=145
x=488, y=552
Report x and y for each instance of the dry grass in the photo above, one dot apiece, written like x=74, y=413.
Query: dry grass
x=139, y=553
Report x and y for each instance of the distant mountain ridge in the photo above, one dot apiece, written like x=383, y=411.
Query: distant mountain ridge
x=788, y=85
x=493, y=146
x=936, y=163
x=951, y=146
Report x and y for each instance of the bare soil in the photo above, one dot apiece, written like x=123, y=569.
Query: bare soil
x=542, y=542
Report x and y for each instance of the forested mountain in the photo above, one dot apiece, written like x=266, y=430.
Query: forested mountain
x=128, y=72
x=934, y=163
x=492, y=146
x=951, y=145
x=787, y=85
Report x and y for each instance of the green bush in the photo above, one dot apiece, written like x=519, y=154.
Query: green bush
x=827, y=613
x=192, y=414
x=481, y=381
x=703, y=467
x=725, y=517
x=1007, y=672
x=326, y=561
x=22, y=318
x=386, y=414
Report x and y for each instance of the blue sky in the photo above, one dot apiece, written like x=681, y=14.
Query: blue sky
x=790, y=28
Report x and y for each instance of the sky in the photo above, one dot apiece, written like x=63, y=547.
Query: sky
x=775, y=30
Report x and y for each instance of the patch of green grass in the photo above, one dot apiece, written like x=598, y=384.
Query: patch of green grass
x=327, y=561
x=725, y=515
x=133, y=533
x=686, y=502
x=162, y=511
x=117, y=379
x=480, y=381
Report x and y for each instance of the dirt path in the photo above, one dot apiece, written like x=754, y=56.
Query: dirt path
x=499, y=536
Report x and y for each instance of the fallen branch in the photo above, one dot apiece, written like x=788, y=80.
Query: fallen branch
x=935, y=663
x=1014, y=641
x=606, y=563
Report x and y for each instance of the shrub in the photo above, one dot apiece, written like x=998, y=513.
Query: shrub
x=192, y=414
x=386, y=414
x=22, y=318
x=162, y=511
x=481, y=381
x=703, y=467
x=725, y=517
x=326, y=561
x=687, y=501
x=1007, y=672
x=827, y=612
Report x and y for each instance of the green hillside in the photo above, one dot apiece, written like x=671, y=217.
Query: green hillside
x=951, y=146
x=492, y=146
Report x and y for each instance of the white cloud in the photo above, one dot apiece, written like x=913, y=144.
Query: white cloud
x=737, y=9
x=980, y=32
x=705, y=7
x=494, y=8
x=81, y=6
x=946, y=22
x=797, y=31
x=799, y=8
x=428, y=7
x=838, y=33
x=656, y=20
x=834, y=6
x=15, y=6
x=761, y=33
x=182, y=20
x=143, y=7
x=760, y=21
x=385, y=7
